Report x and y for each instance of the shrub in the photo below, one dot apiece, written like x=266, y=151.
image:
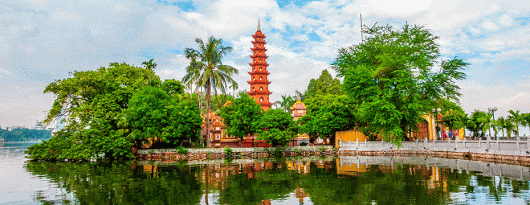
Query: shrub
x=228, y=151
x=322, y=149
x=182, y=150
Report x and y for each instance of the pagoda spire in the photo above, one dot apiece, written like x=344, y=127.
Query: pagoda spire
x=259, y=85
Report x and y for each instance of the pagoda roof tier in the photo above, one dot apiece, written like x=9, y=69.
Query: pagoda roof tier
x=257, y=48
x=260, y=42
x=259, y=35
x=259, y=63
x=265, y=104
x=261, y=56
x=258, y=82
x=259, y=72
x=259, y=92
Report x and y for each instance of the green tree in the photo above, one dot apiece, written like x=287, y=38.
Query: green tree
x=325, y=84
x=172, y=87
x=153, y=113
x=151, y=66
x=106, y=111
x=454, y=116
x=487, y=121
x=277, y=127
x=327, y=114
x=476, y=123
x=241, y=116
x=92, y=102
x=219, y=100
x=390, y=75
x=516, y=118
x=526, y=119
x=500, y=123
x=207, y=70
x=286, y=102
x=509, y=126
x=24, y=134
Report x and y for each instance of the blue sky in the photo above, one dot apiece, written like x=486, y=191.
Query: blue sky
x=44, y=40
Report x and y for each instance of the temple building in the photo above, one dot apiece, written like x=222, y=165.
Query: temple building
x=259, y=85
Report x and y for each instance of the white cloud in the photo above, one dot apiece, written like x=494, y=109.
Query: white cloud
x=506, y=20
x=4, y=72
x=44, y=40
x=488, y=25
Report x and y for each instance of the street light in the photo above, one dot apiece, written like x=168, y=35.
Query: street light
x=492, y=110
x=437, y=126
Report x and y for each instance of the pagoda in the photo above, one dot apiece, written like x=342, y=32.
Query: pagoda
x=259, y=85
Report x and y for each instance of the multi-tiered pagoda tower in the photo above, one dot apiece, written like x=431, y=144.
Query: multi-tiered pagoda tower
x=259, y=85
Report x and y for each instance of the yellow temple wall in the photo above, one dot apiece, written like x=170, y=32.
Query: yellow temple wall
x=349, y=135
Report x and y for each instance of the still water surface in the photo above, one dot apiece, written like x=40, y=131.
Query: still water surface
x=280, y=181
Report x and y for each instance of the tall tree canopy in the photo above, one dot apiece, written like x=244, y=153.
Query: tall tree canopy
x=390, y=75
x=325, y=84
x=94, y=105
x=153, y=113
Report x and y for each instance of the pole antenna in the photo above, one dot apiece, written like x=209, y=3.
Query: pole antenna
x=362, y=39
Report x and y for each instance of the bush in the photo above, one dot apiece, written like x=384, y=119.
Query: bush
x=277, y=151
x=322, y=149
x=182, y=150
x=228, y=151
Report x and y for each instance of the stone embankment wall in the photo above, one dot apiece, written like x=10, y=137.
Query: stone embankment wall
x=245, y=153
x=499, y=151
x=507, y=152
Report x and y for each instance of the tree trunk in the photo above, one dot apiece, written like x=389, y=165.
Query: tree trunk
x=208, y=92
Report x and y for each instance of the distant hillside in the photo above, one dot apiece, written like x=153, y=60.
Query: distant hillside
x=25, y=134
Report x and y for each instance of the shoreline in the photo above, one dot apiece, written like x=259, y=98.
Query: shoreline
x=260, y=153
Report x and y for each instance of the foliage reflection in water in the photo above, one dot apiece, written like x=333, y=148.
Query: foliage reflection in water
x=320, y=181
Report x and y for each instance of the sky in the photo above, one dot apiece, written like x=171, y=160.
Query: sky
x=44, y=40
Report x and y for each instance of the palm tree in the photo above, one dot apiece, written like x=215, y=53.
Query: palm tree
x=150, y=66
x=234, y=87
x=299, y=95
x=516, y=119
x=207, y=70
x=286, y=102
x=501, y=123
x=526, y=119
x=486, y=120
x=509, y=126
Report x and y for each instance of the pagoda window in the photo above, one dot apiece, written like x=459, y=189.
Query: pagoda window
x=260, y=60
x=260, y=88
x=254, y=78
x=260, y=68
x=253, y=88
x=261, y=99
x=260, y=78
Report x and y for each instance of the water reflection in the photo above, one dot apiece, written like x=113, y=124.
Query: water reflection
x=288, y=181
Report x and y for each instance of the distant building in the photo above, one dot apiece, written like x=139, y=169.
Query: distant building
x=297, y=111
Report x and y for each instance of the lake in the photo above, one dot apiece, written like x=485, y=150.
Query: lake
x=344, y=180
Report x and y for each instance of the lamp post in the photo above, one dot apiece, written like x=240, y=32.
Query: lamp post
x=492, y=110
x=436, y=110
